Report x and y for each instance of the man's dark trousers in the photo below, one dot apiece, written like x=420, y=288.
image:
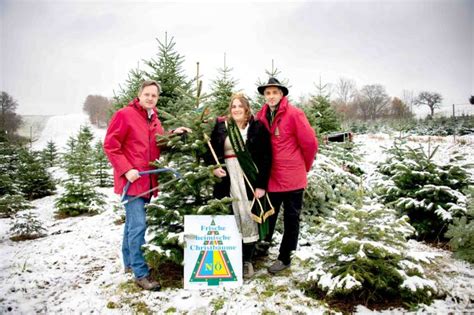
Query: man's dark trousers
x=292, y=203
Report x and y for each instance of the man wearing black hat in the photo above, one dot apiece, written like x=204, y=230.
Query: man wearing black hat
x=294, y=147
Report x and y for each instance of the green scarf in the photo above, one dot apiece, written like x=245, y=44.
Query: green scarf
x=262, y=208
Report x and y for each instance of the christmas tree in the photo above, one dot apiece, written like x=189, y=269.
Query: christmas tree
x=365, y=258
x=461, y=232
x=129, y=91
x=80, y=196
x=191, y=195
x=33, y=179
x=12, y=199
x=49, y=155
x=102, y=168
x=329, y=184
x=321, y=115
x=167, y=70
x=221, y=91
x=428, y=192
x=26, y=226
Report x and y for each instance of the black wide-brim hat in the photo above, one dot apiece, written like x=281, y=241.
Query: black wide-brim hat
x=273, y=82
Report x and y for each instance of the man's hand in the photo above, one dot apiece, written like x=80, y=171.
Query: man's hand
x=219, y=172
x=132, y=175
x=259, y=193
x=181, y=130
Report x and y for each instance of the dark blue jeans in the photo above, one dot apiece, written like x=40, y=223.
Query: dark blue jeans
x=292, y=202
x=134, y=236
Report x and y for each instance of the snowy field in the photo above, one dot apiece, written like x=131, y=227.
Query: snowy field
x=77, y=267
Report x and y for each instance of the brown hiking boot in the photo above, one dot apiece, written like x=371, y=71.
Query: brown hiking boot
x=148, y=283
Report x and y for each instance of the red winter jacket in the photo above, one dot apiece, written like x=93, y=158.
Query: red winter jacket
x=294, y=147
x=130, y=143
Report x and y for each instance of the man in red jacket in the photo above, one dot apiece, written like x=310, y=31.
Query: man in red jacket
x=130, y=145
x=294, y=147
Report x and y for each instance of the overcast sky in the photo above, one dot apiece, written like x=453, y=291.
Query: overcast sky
x=55, y=53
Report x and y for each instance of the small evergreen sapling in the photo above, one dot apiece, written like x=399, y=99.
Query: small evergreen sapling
x=49, y=155
x=428, y=192
x=365, y=259
x=329, y=184
x=12, y=199
x=33, y=178
x=80, y=196
x=102, y=169
x=461, y=232
x=26, y=226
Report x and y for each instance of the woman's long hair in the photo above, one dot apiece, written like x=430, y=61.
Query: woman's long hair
x=245, y=102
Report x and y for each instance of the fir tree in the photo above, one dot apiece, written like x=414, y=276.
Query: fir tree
x=329, y=184
x=365, y=258
x=321, y=115
x=461, y=232
x=129, y=91
x=167, y=70
x=11, y=197
x=429, y=193
x=221, y=90
x=102, y=168
x=80, y=196
x=26, y=226
x=33, y=179
x=192, y=194
x=49, y=155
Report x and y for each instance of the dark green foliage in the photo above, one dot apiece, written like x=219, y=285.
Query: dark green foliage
x=11, y=197
x=49, y=155
x=190, y=195
x=11, y=204
x=331, y=181
x=80, y=196
x=429, y=193
x=33, y=179
x=364, y=258
x=321, y=115
x=461, y=232
x=221, y=91
x=102, y=168
x=129, y=91
x=26, y=226
x=167, y=69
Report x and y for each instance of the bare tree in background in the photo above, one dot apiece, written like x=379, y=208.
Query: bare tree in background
x=345, y=90
x=373, y=101
x=97, y=107
x=431, y=99
x=9, y=120
x=408, y=97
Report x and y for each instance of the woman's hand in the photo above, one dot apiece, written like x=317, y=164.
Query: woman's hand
x=132, y=175
x=219, y=172
x=181, y=130
x=259, y=193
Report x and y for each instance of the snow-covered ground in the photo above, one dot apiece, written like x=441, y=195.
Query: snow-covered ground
x=77, y=267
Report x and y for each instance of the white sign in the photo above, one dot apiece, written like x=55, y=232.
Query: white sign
x=212, y=252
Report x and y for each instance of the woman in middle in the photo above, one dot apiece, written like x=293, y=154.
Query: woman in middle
x=242, y=143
